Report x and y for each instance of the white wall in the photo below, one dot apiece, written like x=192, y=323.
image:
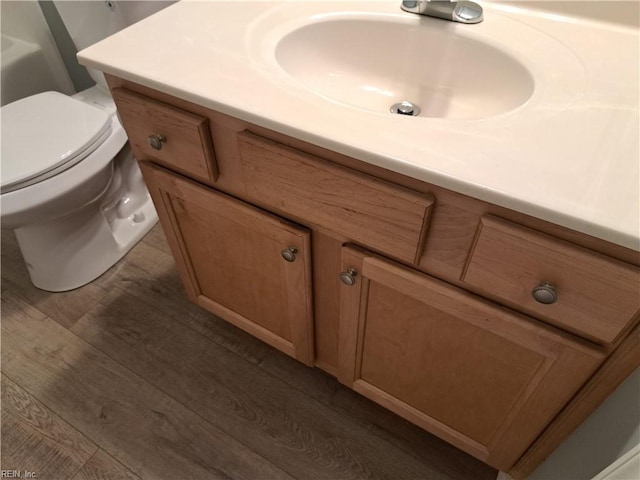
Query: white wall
x=134, y=11
x=24, y=20
x=610, y=432
x=91, y=21
x=625, y=12
x=39, y=66
x=88, y=22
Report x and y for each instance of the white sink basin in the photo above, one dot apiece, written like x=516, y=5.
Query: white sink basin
x=374, y=62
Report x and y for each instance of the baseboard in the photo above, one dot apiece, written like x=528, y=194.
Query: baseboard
x=627, y=467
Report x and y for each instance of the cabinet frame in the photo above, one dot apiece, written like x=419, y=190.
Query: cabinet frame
x=452, y=228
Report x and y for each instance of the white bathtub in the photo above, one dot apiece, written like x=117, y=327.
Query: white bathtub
x=24, y=70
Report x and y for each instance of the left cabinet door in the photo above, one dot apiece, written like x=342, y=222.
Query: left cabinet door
x=249, y=267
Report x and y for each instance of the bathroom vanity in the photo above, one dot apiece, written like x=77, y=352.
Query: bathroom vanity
x=494, y=307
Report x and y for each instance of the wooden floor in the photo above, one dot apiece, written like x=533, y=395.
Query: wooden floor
x=124, y=378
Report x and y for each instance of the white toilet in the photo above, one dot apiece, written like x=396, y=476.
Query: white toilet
x=70, y=186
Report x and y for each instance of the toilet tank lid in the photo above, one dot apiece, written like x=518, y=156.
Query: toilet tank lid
x=45, y=132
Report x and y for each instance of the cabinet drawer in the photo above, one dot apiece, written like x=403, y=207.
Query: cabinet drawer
x=596, y=296
x=187, y=146
x=378, y=214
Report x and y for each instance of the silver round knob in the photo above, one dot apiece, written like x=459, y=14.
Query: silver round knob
x=156, y=141
x=349, y=277
x=545, y=293
x=289, y=254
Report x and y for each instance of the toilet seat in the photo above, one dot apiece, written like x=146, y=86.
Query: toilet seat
x=45, y=135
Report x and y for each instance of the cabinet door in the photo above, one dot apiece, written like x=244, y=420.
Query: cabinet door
x=231, y=259
x=481, y=377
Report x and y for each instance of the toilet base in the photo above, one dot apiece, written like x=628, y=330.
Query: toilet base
x=69, y=252
x=60, y=256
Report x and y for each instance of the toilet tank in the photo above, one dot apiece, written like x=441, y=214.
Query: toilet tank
x=90, y=21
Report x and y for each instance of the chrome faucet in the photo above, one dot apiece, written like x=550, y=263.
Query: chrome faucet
x=462, y=11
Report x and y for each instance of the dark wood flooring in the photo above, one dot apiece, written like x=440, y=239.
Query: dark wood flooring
x=125, y=379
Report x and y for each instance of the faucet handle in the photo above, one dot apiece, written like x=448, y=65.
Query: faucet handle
x=462, y=11
x=467, y=12
x=412, y=6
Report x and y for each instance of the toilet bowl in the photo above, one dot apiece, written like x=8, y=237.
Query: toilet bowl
x=70, y=187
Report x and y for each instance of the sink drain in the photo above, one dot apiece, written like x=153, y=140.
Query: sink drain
x=405, y=108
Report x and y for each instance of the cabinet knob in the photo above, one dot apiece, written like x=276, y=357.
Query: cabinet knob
x=545, y=293
x=289, y=254
x=156, y=140
x=349, y=277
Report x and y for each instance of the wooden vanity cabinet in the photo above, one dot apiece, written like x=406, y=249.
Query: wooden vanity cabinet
x=436, y=326
x=477, y=375
x=243, y=264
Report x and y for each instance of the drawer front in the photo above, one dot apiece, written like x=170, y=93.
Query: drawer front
x=596, y=296
x=187, y=144
x=369, y=211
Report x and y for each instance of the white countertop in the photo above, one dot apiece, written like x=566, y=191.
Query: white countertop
x=569, y=155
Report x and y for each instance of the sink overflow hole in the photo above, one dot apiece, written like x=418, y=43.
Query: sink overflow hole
x=405, y=108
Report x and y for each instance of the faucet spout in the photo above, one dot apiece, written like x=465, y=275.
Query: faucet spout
x=459, y=11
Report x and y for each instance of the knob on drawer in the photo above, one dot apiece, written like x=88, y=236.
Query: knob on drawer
x=545, y=293
x=156, y=141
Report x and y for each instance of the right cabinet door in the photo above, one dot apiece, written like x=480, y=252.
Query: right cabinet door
x=484, y=378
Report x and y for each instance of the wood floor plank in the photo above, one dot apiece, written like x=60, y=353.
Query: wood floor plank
x=157, y=239
x=445, y=458
x=65, y=308
x=145, y=429
x=291, y=429
x=313, y=382
x=149, y=342
x=102, y=466
x=35, y=439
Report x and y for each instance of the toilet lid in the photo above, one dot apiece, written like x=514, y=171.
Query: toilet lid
x=45, y=134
